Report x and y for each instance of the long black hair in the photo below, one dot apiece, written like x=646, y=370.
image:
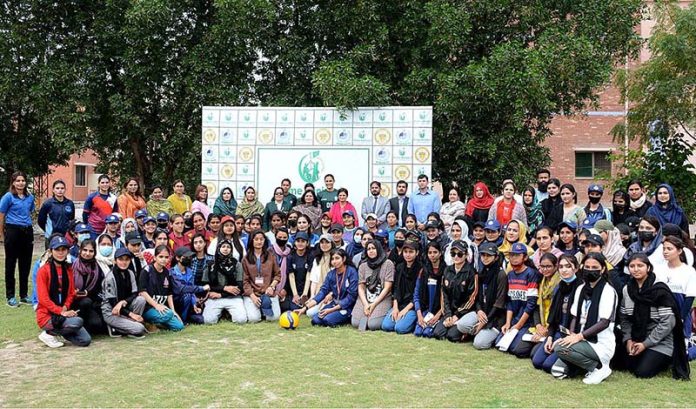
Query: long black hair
x=250, y=256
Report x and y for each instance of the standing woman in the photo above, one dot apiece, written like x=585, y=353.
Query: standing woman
x=131, y=199
x=427, y=296
x=620, y=208
x=535, y=216
x=156, y=287
x=250, y=205
x=401, y=317
x=666, y=209
x=158, y=204
x=16, y=207
x=261, y=276
x=375, y=280
x=277, y=204
x=98, y=206
x=225, y=204
x=88, y=278
x=212, y=225
x=591, y=343
x=507, y=208
x=309, y=206
x=553, y=199
x=478, y=206
x=56, y=213
x=652, y=330
x=56, y=292
x=544, y=241
x=177, y=238
x=342, y=206
x=453, y=208
x=200, y=202
x=569, y=211
x=181, y=202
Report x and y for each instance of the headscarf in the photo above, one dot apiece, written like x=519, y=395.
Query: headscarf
x=246, y=209
x=375, y=263
x=283, y=253
x=535, y=216
x=657, y=294
x=123, y=228
x=637, y=246
x=86, y=274
x=224, y=208
x=355, y=247
x=105, y=263
x=669, y=212
x=224, y=264
x=614, y=250
x=483, y=203
x=472, y=253
x=556, y=310
x=507, y=246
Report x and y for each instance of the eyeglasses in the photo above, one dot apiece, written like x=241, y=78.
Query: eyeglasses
x=545, y=267
x=456, y=254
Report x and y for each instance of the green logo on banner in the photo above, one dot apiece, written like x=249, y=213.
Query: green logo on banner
x=310, y=167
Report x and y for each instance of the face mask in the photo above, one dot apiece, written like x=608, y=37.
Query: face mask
x=619, y=206
x=281, y=243
x=82, y=237
x=399, y=242
x=292, y=223
x=542, y=186
x=163, y=226
x=357, y=239
x=595, y=200
x=105, y=251
x=646, y=235
x=186, y=261
x=569, y=279
x=592, y=275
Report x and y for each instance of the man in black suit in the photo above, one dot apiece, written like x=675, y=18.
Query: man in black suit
x=399, y=203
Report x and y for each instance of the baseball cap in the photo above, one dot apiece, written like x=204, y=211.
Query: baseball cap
x=184, y=252
x=326, y=214
x=480, y=224
x=348, y=213
x=572, y=226
x=301, y=235
x=325, y=236
x=112, y=218
x=595, y=239
x=381, y=233
x=141, y=213
x=492, y=225
x=371, y=215
x=82, y=228
x=518, y=248
x=431, y=225
x=149, y=219
x=410, y=245
x=603, y=225
x=488, y=248
x=336, y=227
x=132, y=237
x=123, y=252
x=459, y=245
x=58, y=242
x=595, y=188
x=162, y=216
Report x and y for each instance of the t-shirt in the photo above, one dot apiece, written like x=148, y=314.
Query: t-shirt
x=523, y=291
x=327, y=199
x=681, y=280
x=606, y=343
x=17, y=211
x=299, y=266
x=157, y=285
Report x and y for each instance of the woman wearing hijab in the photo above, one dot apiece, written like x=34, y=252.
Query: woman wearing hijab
x=591, y=343
x=88, y=278
x=355, y=246
x=459, y=292
x=277, y=204
x=427, y=296
x=376, y=278
x=250, y=205
x=649, y=241
x=567, y=239
x=650, y=323
x=515, y=232
x=535, y=216
x=131, y=199
x=105, y=252
x=507, y=208
x=225, y=278
x=621, y=209
x=666, y=209
x=613, y=248
x=308, y=205
x=401, y=317
x=559, y=315
x=225, y=204
x=480, y=203
x=451, y=209
x=460, y=231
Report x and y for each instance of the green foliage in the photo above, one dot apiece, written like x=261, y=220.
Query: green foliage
x=662, y=94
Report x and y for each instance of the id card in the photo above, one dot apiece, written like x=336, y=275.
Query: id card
x=259, y=280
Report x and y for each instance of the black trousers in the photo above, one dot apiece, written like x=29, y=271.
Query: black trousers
x=90, y=312
x=19, y=246
x=648, y=364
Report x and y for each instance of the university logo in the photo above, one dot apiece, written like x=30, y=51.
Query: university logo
x=422, y=154
x=382, y=136
x=209, y=136
x=246, y=154
x=310, y=167
x=265, y=136
x=212, y=188
x=402, y=172
x=227, y=171
x=322, y=136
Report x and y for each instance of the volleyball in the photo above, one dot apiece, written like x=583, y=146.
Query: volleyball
x=289, y=320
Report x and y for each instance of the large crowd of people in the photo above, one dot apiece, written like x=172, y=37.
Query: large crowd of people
x=579, y=290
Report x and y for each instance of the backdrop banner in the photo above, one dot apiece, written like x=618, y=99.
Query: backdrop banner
x=246, y=146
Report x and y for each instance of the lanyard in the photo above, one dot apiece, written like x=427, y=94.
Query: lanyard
x=339, y=283
x=258, y=266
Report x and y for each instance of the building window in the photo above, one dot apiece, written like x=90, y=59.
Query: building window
x=592, y=164
x=80, y=175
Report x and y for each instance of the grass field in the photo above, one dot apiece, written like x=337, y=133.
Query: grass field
x=262, y=365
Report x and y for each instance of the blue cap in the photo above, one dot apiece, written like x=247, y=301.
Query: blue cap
x=349, y=213
x=141, y=213
x=58, y=242
x=123, y=252
x=572, y=226
x=112, y=218
x=301, y=235
x=518, y=248
x=149, y=219
x=82, y=228
x=480, y=224
x=382, y=234
x=492, y=225
x=595, y=188
x=162, y=216
x=266, y=306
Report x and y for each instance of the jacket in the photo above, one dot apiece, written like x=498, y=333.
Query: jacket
x=55, y=216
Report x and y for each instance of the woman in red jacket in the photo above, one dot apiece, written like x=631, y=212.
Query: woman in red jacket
x=56, y=291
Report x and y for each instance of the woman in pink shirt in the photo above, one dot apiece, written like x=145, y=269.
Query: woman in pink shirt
x=342, y=206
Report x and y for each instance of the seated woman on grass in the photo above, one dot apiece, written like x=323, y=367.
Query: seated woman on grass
x=376, y=277
x=187, y=295
x=122, y=307
x=402, y=317
x=427, y=296
x=261, y=278
x=342, y=283
x=155, y=287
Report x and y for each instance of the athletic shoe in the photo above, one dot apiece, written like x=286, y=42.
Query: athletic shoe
x=12, y=303
x=112, y=332
x=50, y=340
x=597, y=376
x=136, y=336
x=24, y=300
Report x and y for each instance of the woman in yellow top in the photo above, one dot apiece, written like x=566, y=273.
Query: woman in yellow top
x=515, y=231
x=181, y=202
x=131, y=199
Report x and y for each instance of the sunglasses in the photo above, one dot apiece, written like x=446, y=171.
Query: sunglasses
x=456, y=254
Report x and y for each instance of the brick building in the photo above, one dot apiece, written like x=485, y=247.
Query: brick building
x=78, y=174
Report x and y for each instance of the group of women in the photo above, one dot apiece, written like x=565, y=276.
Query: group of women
x=530, y=278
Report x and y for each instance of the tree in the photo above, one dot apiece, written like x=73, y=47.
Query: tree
x=662, y=93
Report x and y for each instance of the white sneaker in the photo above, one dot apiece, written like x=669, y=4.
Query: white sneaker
x=597, y=376
x=50, y=340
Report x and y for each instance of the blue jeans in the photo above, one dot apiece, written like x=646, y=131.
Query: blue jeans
x=73, y=330
x=517, y=340
x=333, y=319
x=405, y=325
x=426, y=332
x=542, y=360
x=167, y=319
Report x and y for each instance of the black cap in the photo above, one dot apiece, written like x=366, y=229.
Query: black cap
x=184, y=252
x=432, y=225
x=123, y=252
x=336, y=227
x=460, y=245
x=411, y=245
x=595, y=239
x=671, y=229
x=132, y=237
x=488, y=248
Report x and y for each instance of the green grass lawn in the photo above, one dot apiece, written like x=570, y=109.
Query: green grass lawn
x=263, y=365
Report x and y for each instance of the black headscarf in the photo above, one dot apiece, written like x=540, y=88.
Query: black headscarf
x=594, y=295
x=556, y=311
x=375, y=263
x=225, y=265
x=405, y=281
x=488, y=277
x=656, y=294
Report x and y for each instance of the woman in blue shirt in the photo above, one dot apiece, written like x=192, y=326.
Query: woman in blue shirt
x=16, y=207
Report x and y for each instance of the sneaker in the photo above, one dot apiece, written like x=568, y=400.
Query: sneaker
x=133, y=336
x=24, y=300
x=50, y=340
x=12, y=303
x=597, y=376
x=112, y=332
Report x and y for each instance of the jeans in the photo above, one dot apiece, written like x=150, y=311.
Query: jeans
x=405, y=325
x=333, y=319
x=648, y=364
x=543, y=360
x=166, y=319
x=19, y=246
x=72, y=330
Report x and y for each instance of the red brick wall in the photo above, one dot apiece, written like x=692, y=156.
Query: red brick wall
x=67, y=174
